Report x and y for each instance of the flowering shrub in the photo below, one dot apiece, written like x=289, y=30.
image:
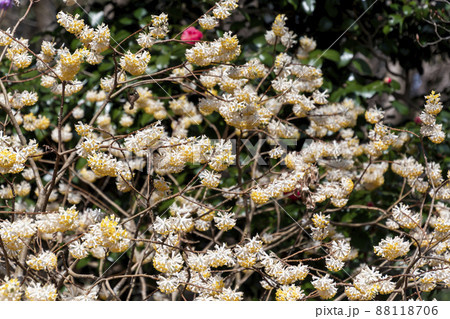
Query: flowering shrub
x=178, y=181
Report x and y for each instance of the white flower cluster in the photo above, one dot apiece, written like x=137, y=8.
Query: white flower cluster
x=13, y=154
x=221, y=11
x=222, y=50
x=429, y=127
x=391, y=248
x=368, y=284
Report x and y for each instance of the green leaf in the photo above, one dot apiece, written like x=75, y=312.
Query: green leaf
x=331, y=9
x=407, y=10
x=348, y=217
x=40, y=135
x=82, y=262
x=332, y=55
x=395, y=85
x=140, y=13
x=126, y=21
x=294, y=3
x=116, y=114
x=144, y=119
x=315, y=58
x=105, y=66
x=362, y=66
x=181, y=177
x=400, y=107
x=375, y=86
x=387, y=29
x=309, y=6
x=371, y=89
x=337, y=94
x=122, y=34
x=162, y=61
x=266, y=58
x=80, y=163
x=260, y=41
x=396, y=19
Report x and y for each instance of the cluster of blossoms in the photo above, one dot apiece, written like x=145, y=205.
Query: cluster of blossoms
x=427, y=118
x=68, y=64
x=340, y=251
x=302, y=173
x=197, y=220
x=222, y=50
x=368, y=283
x=14, y=154
x=381, y=136
x=403, y=217
x=15, y=234
x=391, y=248
x=18, y=100
x=158, y=30
x=17, y=49
x=45, y=260
x=280, y=32
x=326, y=287
x=136, y=63
x=10, y=290
x=221, y=11
x=101, y=238
x=194, y=270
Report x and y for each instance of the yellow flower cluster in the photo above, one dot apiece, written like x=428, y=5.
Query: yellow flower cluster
x=391, y=248
x=135, y=64
x=37, y=292
x=289, y=293
x=10, y=290
x=45, y=260
x=13, y=155
x=222, y=50
x=326, y=287
x=17, y=49
x=368, y=284
x=407, y=167
x=429, y=127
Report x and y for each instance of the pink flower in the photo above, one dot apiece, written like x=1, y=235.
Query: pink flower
x=191, y=34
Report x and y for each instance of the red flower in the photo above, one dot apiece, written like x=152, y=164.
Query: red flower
x=294, y=195
x=417, y=120
x=191, y=34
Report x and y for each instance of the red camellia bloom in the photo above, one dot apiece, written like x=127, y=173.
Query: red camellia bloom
x=295, y=195
x=191, y=34
x=417, y=120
